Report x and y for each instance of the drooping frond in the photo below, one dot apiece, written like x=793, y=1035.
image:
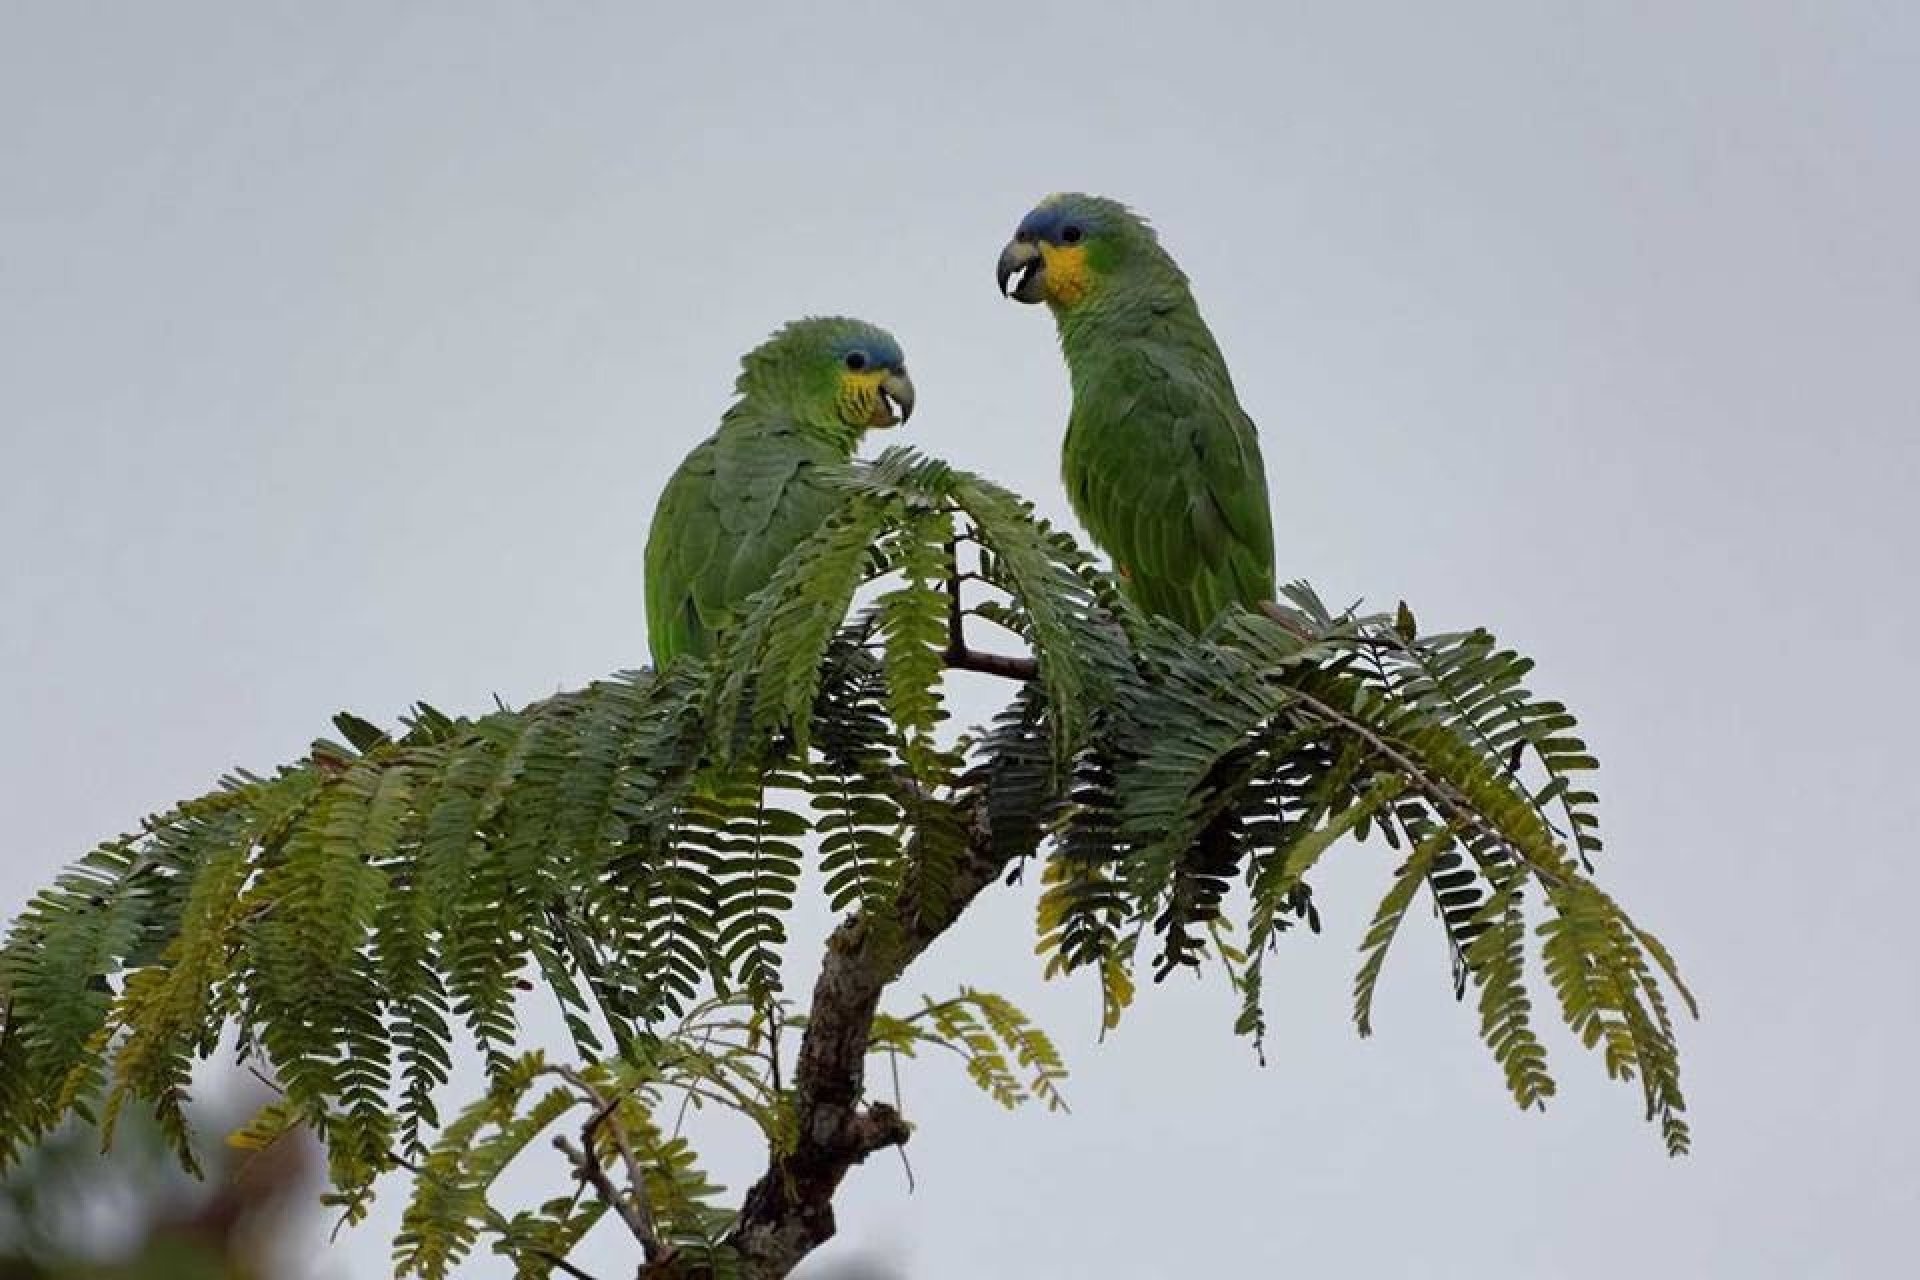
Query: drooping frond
x=1010, y=1059
x=1246, y=753
x=857, y=807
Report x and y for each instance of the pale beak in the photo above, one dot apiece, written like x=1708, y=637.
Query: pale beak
x=1022, y=258
x=897, y=390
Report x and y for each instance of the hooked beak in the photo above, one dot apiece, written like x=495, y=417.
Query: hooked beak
x=1022, y=258
x=896, y=397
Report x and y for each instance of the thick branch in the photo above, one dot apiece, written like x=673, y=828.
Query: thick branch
x=789, y=1212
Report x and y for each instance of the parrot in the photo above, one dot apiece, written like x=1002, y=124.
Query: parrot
x=1161, y=464
x=755, y=489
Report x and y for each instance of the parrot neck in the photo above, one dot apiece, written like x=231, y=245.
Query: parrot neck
x=750, y=416
x=780, y=395
x=836, y=435
x=1097, y=321
x=1159, y=311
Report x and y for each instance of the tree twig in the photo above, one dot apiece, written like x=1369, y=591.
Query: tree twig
x=560, y=1264
x=958, y=656
x=991, y=664
x=632, y=1207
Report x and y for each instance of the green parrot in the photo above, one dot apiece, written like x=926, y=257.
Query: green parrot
x=1161, y=463
x=753, y=490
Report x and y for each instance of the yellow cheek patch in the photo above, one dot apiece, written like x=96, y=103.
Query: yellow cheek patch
x=1068, y=277
x=859, y=401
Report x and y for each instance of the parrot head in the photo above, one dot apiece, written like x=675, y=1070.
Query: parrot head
x=832, y=374
x=1072, y=247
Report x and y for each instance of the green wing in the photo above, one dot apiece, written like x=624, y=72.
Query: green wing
x=736, y=507
x=1164, y=469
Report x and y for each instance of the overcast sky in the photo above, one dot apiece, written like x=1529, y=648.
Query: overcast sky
x=344, y=348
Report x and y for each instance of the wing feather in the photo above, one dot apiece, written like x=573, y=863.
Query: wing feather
x=739, y=504
x=1164, y=469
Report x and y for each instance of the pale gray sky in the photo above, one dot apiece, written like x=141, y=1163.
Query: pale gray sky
x=343, y=349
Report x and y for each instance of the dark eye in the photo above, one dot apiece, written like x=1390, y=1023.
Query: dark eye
x=1071, y=235
x=856, y=361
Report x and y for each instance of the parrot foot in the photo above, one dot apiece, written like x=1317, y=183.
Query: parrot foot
x=1287, y=620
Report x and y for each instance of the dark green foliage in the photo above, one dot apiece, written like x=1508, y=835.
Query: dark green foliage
x=1247, y=753
x=633, y=850
x=857, y=809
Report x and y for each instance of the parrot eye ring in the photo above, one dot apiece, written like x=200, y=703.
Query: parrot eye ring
x=1071, y=235
x=856, y=361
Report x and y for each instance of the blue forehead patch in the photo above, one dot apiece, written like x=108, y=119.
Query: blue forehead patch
x=877, y=347
x=1048, y=220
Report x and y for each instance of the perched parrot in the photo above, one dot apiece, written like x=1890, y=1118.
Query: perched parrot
x=1161, y=463
x=752, y=491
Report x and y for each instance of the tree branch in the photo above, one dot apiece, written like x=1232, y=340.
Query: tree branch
x=789, y=1212
x=961, y=658
x=958, y=656
x=561, y=1265
x=632, y=1207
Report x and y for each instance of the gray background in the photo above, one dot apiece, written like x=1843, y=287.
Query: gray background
x=343, y=349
